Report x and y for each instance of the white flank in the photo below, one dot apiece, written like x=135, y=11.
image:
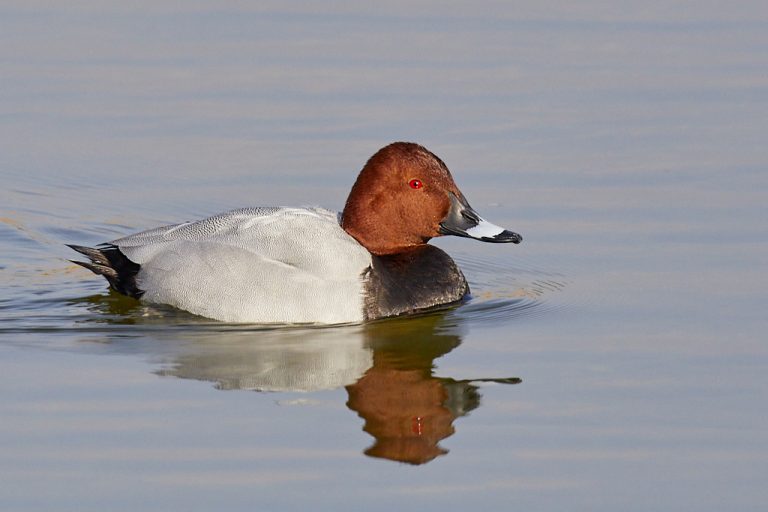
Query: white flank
x=254, y=265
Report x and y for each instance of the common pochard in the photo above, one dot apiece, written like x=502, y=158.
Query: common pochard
x=311, y=265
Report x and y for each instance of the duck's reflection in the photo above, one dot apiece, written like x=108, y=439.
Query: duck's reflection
x=387, y=369
x=406, y=408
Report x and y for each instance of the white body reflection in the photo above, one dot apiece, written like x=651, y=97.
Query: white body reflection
x=287, y=360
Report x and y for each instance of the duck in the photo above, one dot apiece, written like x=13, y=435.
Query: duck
x=309, y=265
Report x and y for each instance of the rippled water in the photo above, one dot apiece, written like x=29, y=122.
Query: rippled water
x=615, y=360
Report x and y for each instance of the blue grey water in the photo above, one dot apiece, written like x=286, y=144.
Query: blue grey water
x=625, y=142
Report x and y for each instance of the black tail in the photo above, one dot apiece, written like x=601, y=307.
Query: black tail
x=109, y=262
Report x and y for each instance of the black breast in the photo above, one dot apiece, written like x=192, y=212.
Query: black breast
x=411, y=281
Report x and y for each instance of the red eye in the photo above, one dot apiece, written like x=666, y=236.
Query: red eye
x=415, y=184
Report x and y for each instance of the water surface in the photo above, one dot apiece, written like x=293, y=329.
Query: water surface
x=614, y=360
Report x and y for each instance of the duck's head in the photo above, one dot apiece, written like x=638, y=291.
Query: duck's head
x=404, y=196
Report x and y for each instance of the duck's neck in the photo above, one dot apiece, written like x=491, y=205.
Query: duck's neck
x=380, y=237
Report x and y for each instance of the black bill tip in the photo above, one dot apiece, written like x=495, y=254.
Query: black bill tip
x=504, y=237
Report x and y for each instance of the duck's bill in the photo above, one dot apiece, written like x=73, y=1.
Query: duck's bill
x=462, y=220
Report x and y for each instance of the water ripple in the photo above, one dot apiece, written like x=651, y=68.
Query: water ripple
x=512, y=288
